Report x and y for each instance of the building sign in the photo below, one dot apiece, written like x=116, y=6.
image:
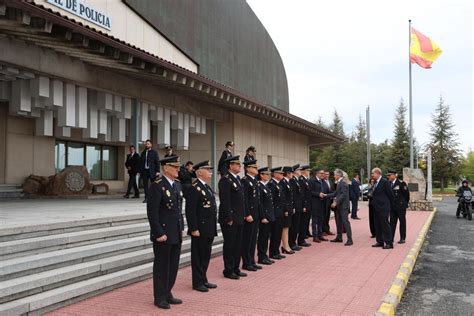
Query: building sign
x=85, y=11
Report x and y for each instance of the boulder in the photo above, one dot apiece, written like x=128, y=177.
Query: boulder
x=416, y=182
x=35, y=185
x=72, y=180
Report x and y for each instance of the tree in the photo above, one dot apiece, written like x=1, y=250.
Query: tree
x=446, y=156
x=468, y=168
x=400, y=145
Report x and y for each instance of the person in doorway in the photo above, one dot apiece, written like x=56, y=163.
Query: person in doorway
x=149, y=166
x=132, y=163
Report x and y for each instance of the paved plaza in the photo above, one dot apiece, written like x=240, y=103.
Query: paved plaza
x=324, y=279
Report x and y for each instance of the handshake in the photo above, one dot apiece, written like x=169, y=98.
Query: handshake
x=322, y=195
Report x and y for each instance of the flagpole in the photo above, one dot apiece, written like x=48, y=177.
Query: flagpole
x=367, y=121
x=409, y=96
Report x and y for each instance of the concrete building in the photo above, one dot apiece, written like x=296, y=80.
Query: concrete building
x=80, y=80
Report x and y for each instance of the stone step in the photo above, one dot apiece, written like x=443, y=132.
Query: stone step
x=30, y=231
x=10, y=191
x=49, y=300
x=23, y=247
x=31, y=284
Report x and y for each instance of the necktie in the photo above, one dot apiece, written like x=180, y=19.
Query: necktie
x=147, y=166
x=209, y=189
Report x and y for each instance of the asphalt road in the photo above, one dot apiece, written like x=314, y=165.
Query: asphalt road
x=442, y=281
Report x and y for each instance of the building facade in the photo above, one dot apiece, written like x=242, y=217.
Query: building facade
x=81, y=80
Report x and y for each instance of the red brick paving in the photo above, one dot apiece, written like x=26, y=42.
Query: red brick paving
x=324, y=279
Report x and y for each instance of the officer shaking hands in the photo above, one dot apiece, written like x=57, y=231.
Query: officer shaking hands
x=164, y=210
x=400, y=204
x=201, y=215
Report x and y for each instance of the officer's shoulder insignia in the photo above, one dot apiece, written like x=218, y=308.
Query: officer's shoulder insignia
x=226, y=176
x=235, y=185
x=158, y=180
x=197, y=188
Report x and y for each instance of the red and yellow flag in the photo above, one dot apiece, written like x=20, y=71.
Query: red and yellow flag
x=423, y=50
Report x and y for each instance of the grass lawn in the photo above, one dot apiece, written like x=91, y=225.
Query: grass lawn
x=447, y=191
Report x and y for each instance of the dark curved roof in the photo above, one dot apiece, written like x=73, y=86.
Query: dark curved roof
x=226, y=40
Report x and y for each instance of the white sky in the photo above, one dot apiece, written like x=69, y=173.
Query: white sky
x=346, y=54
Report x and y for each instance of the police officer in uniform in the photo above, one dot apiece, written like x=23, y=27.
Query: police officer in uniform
x=164, y=210
x=306, y=214
x=398, y=211
x=277, y=225
x=288, y=208
x=297, y=194
x=201, y=216
x=231, y=217
x=252, y=199
x=267, y=216
x=226, y=154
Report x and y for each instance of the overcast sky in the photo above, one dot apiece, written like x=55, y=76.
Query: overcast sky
x=346, y=54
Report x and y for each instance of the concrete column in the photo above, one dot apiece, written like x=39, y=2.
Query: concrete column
x=105, y=101
x=118, y=129
x=214, y=161
x=5, y=91
x=62, y=131
x=55, y=94
x=192, y=124
x=134, y=123
x=164, y=130
x=21, y=96
x=108, y=135
x=40, y=87
x=183, y=134
x=81, y=107
x=102, y=122
x=67, y=113
x=203, y=126
x=144, y=122
x=117, y=103
x=127, y=108
x=44, y=124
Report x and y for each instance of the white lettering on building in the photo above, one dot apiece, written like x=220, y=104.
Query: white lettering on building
x=79, y=8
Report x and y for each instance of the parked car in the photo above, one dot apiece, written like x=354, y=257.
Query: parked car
x=364, y=189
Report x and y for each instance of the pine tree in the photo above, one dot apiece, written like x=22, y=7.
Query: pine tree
x=446, y=156
x=400, y=144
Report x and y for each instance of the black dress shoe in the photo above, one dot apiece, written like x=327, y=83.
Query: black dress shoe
x=144, y=201
x=174, y=301
x=232, y=276
x=298, y=248
x=336, y=240
x=125, y=196
x=276, y=257
x=162, y=304
x=348, y=243
x=135, y=196
x=282, y=256
x=402, y=241
x=305, y=244
x=376, y=245
x=249, y=268
x=356, y=218
x=241, y=274
x=271, y=261
x=323, y=239
x=373, y=236
x=389, y=246
x=287, y=252
x=201, y=288
x=265, y=261
x=256, y=266
x=210, y=285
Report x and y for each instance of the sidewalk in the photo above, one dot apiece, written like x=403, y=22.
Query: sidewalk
x=324, y=279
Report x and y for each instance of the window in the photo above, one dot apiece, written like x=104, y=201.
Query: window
x=100, y=160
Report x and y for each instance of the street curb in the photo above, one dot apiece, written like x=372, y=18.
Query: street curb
x=395, y=292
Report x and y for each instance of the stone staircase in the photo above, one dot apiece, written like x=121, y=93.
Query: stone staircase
x=10, y=191
x=48, y=266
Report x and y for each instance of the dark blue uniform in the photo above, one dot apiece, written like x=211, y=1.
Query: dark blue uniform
x=297, y=194
x=277, y=225
x=306, y=215
x=266, y=212
x=250, y=230
x=401, y=197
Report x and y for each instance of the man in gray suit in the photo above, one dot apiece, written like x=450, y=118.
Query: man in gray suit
x=341, y=207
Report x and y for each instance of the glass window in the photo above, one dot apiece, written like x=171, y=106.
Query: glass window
x=60, y=156
x=93, y=164
x=75, y=154
x=109, y=163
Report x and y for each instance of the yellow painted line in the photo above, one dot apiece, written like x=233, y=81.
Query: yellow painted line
x=388, y=308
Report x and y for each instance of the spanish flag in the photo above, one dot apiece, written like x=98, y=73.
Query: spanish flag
x=423, y=50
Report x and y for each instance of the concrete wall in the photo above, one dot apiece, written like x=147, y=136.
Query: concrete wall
x=3, y=139
x=276, y=146
x=131, y=28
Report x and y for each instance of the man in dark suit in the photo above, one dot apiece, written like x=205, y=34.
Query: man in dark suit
x=306, y=215
x=382, y=201
x=201, y=216
x=149, y=166
x=401, y=197
x=354, y=195
x=231, y=217
x=318, y=205
x=226, y=154
x=164, y=210
x=186, y=175
x=341, y=206
x=329, y=187
x=251, y=215
x=288, y=208
x=278, y=207
x=132, y=163
x=267, y=216
x=298, y=206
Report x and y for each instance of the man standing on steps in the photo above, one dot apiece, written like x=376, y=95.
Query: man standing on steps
x=149, y=166
x=401, y=197
x=226, y=154
x=132, y=163
x=201, y=216
x=250, y=230
x=382, y=201
x=231, y=217
x=164, y=210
